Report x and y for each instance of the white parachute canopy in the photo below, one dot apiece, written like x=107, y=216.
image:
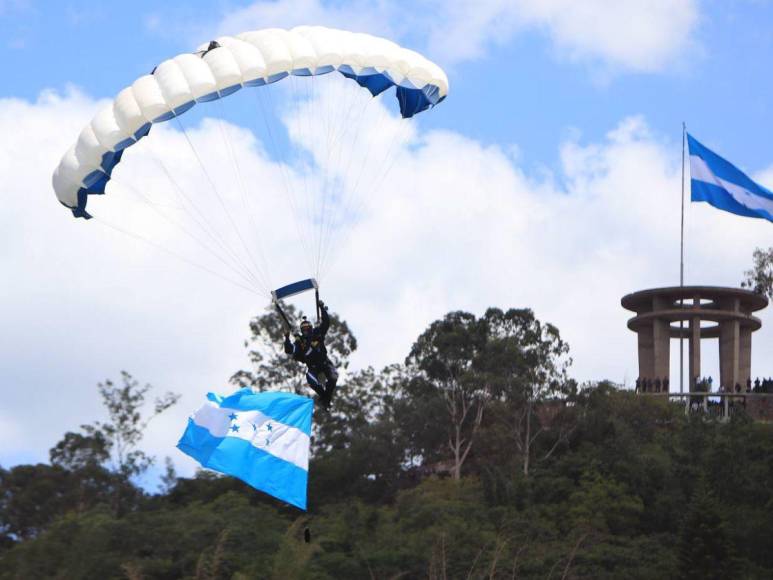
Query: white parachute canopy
x=207, y=186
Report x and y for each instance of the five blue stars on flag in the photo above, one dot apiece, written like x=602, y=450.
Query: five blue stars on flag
x=235, y=428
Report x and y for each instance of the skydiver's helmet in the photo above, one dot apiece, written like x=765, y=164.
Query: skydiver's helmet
x=306, y=327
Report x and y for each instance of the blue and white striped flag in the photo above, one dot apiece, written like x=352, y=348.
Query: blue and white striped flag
x=720, y=183
x=261, y=438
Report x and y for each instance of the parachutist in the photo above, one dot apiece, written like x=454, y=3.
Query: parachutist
x=309, y=349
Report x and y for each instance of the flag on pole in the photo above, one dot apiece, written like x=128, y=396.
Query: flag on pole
x=261, y=438
x=720, y=183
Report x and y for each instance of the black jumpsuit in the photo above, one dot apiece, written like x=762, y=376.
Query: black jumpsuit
x=312, y=352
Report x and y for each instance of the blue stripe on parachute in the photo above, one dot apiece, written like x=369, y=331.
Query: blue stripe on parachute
x=376, y=84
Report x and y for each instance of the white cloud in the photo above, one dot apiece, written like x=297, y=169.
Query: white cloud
x=356, y=15
x=456, y=225
x=638, y=35
x=765, y=177
x=629, y=35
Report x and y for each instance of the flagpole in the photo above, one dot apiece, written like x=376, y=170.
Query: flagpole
x=681, y=273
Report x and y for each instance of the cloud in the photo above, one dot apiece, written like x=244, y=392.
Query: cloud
x=629, y=35
x=373, y=17
x=84, y=302
x=454, y=224
x=636, y=35
x=765, y=177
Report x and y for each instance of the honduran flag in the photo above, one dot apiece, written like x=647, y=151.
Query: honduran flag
x=261, y=438
x=721, y=184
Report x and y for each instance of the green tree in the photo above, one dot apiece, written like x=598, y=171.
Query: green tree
x=87, y=469
x=123, y=431
x=105, y=455
x=115, y=442
x=635, y=489
x=359, y=446
x=86, y=457
x=527, y=363
x=30, y=497
x=507, y=362
x=294, y=553
x=705, y=548
x=80, y=451
x=446, y=362
x=600, y=504
x=760, y=278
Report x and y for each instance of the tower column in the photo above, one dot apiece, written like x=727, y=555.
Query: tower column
x=745, y=355
x=646, y=353
x=695, y=345
x=729, y=349
x=661, y=342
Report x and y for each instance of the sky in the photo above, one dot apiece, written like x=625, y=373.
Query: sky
x=549, y=178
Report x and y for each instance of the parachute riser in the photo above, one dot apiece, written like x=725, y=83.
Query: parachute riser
x=282, y=314
x=316, y=302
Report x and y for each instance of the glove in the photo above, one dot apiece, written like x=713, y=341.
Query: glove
x=321, y=304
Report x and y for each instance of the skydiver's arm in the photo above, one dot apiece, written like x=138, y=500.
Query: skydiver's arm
x=289, y=346
x=325, y=325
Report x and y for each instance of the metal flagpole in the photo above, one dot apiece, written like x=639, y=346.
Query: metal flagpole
x=681, y=273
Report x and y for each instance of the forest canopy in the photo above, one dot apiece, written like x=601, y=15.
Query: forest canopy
x=477, y=456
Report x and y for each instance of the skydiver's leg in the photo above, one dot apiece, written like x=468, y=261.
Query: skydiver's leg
x=332, y=379
x=314, y=383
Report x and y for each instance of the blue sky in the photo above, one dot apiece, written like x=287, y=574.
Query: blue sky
x=522, y=90
x=551, y=173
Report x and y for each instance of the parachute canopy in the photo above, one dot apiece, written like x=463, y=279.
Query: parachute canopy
x=224, y=66
x=316, y=143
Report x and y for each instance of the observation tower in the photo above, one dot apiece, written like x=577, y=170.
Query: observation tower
x=705, y=312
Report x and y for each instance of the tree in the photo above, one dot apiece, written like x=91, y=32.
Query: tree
x=126, y=425
x=87, y=469
x=602, y=505
x=105, y=455
x=116, y=440
x=526, y=362
x=359, y=447
x=760, y=278
x=446, y=361
x=276, y=371
x=705, y=549
x=362, y=402
x=30, y=497
x=80, y=451
x=169, y=479
x=620, y=501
